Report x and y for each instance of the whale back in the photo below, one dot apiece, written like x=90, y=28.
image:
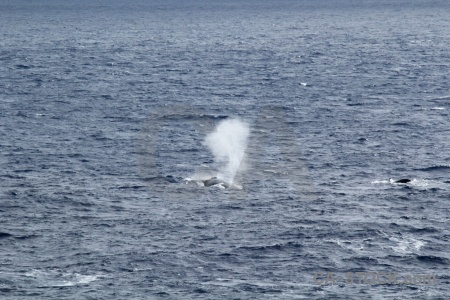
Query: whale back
x=214, y=181
x=405, y=180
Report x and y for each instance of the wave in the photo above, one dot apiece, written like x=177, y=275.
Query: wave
x=179, y=117
x=434, y=168
x=163, y=179
x=433, y=259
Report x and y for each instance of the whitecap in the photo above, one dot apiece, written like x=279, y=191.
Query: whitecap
x=406, y=245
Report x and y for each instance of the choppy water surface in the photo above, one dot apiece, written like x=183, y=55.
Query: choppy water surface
x=104, y=108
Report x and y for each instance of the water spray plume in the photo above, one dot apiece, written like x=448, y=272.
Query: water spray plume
x=228, y=144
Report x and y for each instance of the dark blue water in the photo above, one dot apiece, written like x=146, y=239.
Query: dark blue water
x=104, y=107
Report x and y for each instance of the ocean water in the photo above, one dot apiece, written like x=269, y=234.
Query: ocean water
x=104, y=111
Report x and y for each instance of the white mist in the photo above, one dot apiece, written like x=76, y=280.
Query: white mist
x=228, y=144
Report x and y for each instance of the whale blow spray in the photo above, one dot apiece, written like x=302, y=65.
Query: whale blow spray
x=228, y=143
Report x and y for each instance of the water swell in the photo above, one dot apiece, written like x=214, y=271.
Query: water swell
x=435, y=168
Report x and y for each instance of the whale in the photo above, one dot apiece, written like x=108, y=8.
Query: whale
x=214, y=180
x=404, y=180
